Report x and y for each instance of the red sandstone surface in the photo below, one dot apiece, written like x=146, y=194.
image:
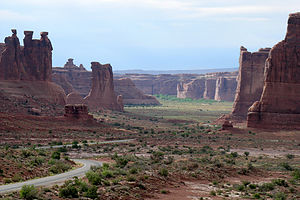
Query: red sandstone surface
x=279, y=105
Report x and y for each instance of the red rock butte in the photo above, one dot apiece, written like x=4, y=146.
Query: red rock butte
x=279, y=105
x=102, y=95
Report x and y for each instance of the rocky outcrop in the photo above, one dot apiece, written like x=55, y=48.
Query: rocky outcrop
x=225, y=89
x=25, y=75
x=74, y=98
x=32, y=62
x=77, y=112
x=132, y=95
x=193, y=90
x=250, y=80
x=279, y=105
x=37, y=57
x=102, y=95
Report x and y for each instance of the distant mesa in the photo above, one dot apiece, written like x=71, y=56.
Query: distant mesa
x=216, y=86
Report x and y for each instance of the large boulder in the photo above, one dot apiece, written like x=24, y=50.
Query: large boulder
x=279, y=105
x=102, y=95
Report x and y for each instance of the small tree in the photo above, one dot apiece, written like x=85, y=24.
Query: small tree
x=28, y=192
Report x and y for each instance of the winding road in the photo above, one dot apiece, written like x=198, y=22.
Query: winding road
x=52, y=180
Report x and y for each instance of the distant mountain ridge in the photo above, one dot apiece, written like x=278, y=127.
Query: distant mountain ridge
x=156, y=72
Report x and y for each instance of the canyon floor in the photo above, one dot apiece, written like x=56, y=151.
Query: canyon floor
x=177, y=153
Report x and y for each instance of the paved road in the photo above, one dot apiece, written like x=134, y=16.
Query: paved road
x=51, y=180
x=70, y=145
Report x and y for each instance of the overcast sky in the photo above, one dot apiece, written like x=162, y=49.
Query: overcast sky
x=150, y=34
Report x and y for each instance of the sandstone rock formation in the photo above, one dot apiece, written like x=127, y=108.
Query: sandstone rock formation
x=193, y=90
x=38, y=57
x=25, y=75
x=74, y=98
x=225, y=89
x=102, y=95
x=132, y=95
x=72, y=78
x=210, y=88
x=78, y=112
x=250, y=80
x=279, y=105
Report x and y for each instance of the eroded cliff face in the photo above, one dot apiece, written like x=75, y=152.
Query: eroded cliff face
x=193, y=90
x=279, y=105
x=165, y=84
x=25, y=75
x=132, y=95
x=250, y=80
x=210, y=88
x=102, y=95
x=225, y=89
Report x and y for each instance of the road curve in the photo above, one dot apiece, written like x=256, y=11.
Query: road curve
x=52, y=180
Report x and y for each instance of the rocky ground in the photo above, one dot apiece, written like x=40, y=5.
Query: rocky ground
x=176, y=155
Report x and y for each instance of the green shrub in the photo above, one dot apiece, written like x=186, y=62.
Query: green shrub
x=286, y=166
x=280, y=182
x=280, y=196
x=55, y=155
x=93, y=177
x=68, y=191
x=163, y=172
x=296, y=174
x=133, y=170
x=59, y=167
x=107, y=173
x=266, y=187
x=91, y=192
x=28, y=192
x=121, y=161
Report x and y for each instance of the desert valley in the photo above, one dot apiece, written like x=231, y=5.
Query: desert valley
x=67, y=132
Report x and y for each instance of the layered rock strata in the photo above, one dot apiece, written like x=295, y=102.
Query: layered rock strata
x=279, y=105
